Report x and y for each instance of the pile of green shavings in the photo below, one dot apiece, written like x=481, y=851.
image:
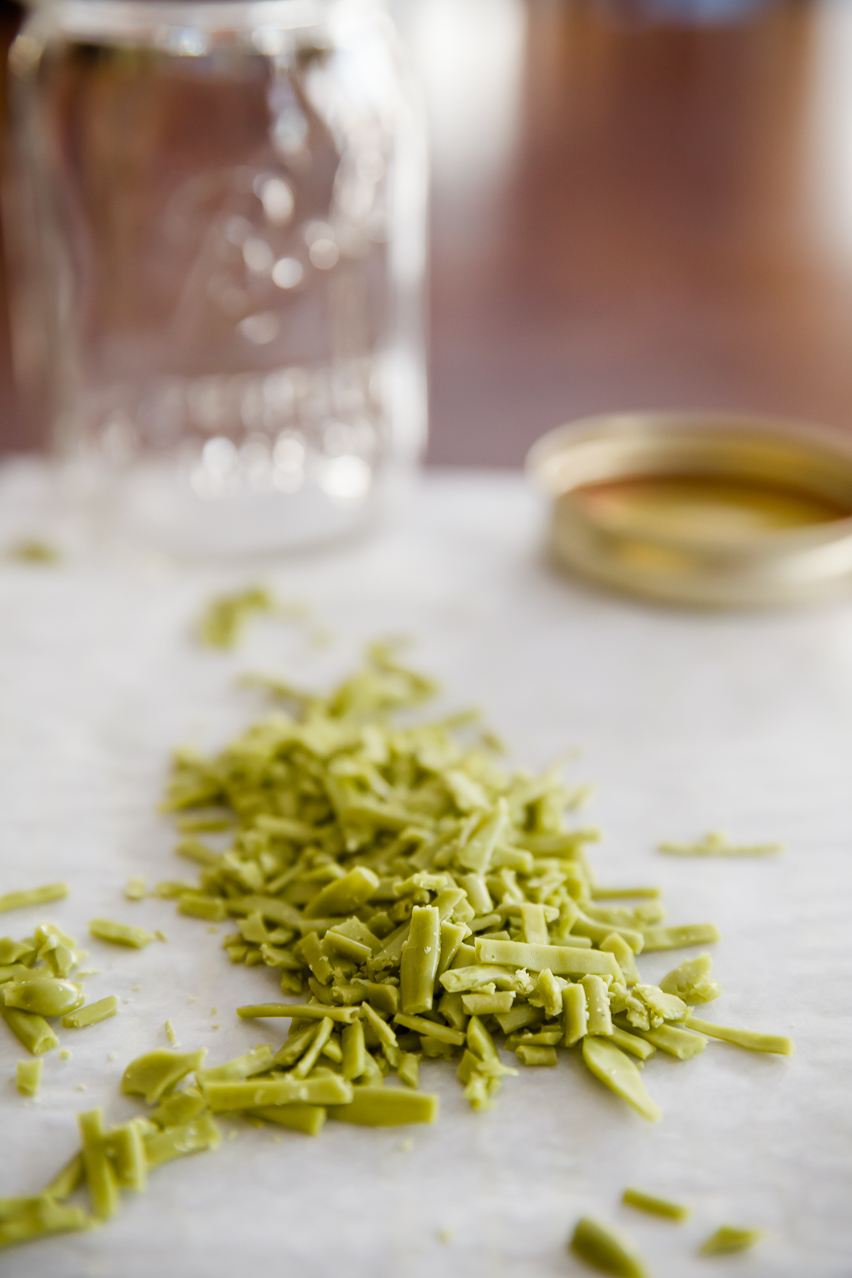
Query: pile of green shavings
x=395, y=870
x=35, y=988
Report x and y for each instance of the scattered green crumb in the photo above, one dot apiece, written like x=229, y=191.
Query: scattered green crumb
x=160, y=936
x=728, y=1239
x=33, y=896
x=135, y=889
x=214, y=1026
x=28, y=1076
x=716, y=843
x=213, y=930
x=656, y=1206
x=170, y=1034
x=65, y=1054
x=33, y=550
x=222, y=621
x=120, y=933
x=407, y=1146
x=212, y=1011
x=606, y=1250
x=91, y=1013
x=81, y=1087
x=192, y=999
x=111, y=1056
x=445, y=1235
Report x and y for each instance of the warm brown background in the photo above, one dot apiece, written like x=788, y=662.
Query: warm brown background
x=671, y=226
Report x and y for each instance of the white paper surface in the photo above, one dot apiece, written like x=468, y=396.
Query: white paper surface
x=687, y=723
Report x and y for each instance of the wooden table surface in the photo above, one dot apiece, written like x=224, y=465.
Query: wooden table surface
x=627, y=213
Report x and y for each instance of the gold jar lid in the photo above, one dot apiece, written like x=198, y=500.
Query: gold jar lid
x=709, y=510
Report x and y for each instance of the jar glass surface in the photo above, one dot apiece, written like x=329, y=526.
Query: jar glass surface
x=223, y=218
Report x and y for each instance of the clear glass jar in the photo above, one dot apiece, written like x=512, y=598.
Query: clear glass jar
x=221, y=212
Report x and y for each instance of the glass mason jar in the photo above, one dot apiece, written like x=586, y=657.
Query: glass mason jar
x=220, y=217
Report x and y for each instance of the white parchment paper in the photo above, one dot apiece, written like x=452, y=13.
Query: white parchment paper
x=687, y=722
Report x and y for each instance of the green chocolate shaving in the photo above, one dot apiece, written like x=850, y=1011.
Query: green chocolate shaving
x=33, y=896
x=606, y=1250
x=618, y=1073
x=91, y=1013
x=120, y=933
x=28, y=1076
x=756, y=1042
x=728, y=1239
x=386, y=1107
x=156, y=1073
x=655, y=1206
x=31, y=1030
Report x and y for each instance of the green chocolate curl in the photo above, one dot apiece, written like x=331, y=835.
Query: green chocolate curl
x=156, y=1073
x=618, y=1073
x=386, y=1107
x=606, y=1250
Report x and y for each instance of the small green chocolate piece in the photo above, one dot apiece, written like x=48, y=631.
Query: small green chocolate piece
x=100, y=1173
x=91, y=1013
x=43, y=995
x=655, y=1206
x=675, y=938
x=33, y=896
x=618, y=1072
x=718, y=844
x=135, y=888
x=190, y=1138
x=40, y=1217
x=419, y=961
x=386, y=1107
x=575, y=1014
x=120, y=933
x=530, y=1054
x=280, y=1089
x=309, y=1119
x=606, y=1250
x=445, y=1033
x=756, y=1042
x=562, y=960
x=28, y=1076
x=154, y=1074
x=301, y=1012
x=691, y=981
x=728, y=1239
x=258, y=1061
x=31, y=1030
x=600, y=1017
x=224, y=618
x=354, y=1061
x=66, y=1181
x=343, y=896
x=126, y=1148
x=201, y=906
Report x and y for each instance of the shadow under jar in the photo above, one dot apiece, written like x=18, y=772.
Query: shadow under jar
x=221, y=212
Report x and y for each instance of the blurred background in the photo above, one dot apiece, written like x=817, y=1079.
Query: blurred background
x=635, y=204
